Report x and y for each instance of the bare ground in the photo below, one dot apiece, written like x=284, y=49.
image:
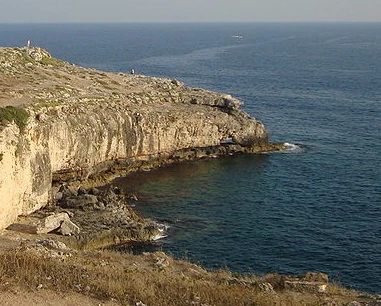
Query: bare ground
x=43, y=297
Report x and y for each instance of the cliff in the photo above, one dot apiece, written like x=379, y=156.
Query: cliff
x=61, y=122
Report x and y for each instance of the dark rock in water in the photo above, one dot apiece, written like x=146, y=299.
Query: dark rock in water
x=117, y=190
x=137, y=248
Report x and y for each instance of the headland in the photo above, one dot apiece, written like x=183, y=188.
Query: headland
x=65, y=129
x=61, y=123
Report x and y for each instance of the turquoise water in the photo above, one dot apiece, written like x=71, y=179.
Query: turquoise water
x=318, y=85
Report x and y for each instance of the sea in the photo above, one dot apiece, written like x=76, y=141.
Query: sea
x=315, y=86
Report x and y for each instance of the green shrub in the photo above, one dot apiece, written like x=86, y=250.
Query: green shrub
x=48, y=61
x=16, y=114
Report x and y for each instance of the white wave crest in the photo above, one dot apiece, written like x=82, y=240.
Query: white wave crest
x=292, y=147
x=158, y=237
x=162, y=228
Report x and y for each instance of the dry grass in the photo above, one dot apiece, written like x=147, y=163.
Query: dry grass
x=154, y=279
x=122, y=278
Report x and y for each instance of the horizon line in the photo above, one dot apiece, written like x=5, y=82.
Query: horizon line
x=186, y=22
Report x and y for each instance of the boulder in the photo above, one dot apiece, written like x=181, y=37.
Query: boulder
x=81, y=190
x=51, y=223
x=311, y=281
x=37, y=53
x=306, y=286
x=59, y=222
x=68, y=228
x=99, y=220
x=79, y=201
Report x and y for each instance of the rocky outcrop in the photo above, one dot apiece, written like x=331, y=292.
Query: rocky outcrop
x=311, y=281
x=57, y=222
x=92, y=218
x=83, y=123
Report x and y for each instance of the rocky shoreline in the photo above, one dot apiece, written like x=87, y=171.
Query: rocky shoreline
x=80, y=224
x=86, y=217
x=65, y=130
x=109, y=170
x=63, y=123
x=90, y=219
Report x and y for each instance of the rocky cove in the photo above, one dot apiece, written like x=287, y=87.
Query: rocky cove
x=64, y=131
x=61, y=123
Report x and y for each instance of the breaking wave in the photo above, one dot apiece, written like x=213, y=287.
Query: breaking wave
x=293, y=148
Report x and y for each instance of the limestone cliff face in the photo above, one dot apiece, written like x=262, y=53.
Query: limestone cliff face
x=82, y=122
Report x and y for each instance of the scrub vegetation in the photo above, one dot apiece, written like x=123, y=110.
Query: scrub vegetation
x=152, y=279
x=14, y=114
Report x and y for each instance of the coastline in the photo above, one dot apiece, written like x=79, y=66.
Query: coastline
x=43, y=271
x=65, y=127
x=39, y=146
x=64, y=123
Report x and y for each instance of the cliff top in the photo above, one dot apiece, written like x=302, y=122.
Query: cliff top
x=30, y=75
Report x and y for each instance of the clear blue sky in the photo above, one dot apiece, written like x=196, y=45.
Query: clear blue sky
x=189, y=10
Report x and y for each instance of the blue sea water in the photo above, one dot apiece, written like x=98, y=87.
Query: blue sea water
x=318, y=85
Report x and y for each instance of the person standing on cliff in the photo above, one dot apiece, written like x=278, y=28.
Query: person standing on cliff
x=28, y=43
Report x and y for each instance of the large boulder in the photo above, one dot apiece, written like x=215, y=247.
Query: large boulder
x=51, y=223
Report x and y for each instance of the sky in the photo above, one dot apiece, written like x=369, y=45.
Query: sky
x=57, y=11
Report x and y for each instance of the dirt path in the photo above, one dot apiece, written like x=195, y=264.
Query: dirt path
x=48, y=298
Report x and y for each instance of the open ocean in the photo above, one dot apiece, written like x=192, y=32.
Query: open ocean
x=318, y=85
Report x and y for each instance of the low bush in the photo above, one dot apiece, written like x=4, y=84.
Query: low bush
x=14, y=114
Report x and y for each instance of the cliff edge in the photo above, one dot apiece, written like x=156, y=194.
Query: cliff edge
x=61, y=122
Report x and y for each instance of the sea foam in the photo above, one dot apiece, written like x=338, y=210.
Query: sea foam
x=293, y=148
x=163, y=228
